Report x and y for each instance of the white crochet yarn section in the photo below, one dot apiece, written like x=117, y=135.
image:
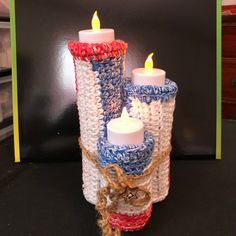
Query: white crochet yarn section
x=163, y=172
x=160, y=184
x=90, y=180
x=157, y=118
x=91, y=123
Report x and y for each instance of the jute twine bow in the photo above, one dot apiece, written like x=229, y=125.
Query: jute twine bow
x=120, y=186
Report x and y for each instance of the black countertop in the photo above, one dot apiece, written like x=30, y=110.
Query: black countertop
x=45, y=199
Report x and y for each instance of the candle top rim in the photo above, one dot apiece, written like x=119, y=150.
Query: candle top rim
x=96, y=30
x=142, y=69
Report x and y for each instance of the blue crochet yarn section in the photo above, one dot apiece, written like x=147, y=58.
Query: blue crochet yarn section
x=110, y=74
x=149, y=93
x=131, y=158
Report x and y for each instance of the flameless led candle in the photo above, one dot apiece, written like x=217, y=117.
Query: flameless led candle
x=125, y=130
x=148, y=75
x=96, y=35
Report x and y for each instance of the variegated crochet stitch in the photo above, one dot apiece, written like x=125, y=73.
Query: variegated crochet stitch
x=154, y=106
x=99, y=71
x=133, y=159
x=123, y=181
x=118, y=187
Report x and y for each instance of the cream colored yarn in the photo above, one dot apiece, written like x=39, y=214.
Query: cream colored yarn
x=91, y=123
x=157, y=118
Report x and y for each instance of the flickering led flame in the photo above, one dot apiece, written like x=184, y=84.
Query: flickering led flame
x=124, y=117
x=95, y=21
x=149, y=62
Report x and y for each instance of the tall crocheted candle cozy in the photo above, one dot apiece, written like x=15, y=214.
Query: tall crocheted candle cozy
x=99, y=69
x=134, y=205
x=155, y=106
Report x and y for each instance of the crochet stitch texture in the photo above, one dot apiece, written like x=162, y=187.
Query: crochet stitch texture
x=149, y=93
x=130, y=223
x=99, y=71
x=131, y=158
x=101, y=92
x=155, y=107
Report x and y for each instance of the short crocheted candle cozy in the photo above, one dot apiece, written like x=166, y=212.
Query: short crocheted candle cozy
x=99, y=69
x=133, y=159
x=154, y=106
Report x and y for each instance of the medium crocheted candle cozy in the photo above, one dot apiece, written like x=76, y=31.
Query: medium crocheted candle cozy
x=155, y=106
x=99, y=69
x=133, y=159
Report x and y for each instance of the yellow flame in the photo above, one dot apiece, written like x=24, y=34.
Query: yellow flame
x=124, y=116
x=95, y=21
x=149, y=62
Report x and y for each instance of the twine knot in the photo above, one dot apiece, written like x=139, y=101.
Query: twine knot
x=121, y=187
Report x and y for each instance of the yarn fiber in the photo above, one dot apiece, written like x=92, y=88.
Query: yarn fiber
x=99, y=71
x=126, y=222
x=155, y=106
x=131, y=158
x=122, y=180
x=122, y=188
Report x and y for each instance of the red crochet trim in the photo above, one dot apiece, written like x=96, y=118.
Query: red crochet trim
x=130, y=223
x=97, y=51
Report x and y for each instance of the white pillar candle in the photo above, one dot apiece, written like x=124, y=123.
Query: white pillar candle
x=149, y=75
x=125, y=130
x=96, y=35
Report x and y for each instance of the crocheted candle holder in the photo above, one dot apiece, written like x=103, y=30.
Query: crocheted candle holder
x=154, y=106
x=99, y=69
x=133, y=159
